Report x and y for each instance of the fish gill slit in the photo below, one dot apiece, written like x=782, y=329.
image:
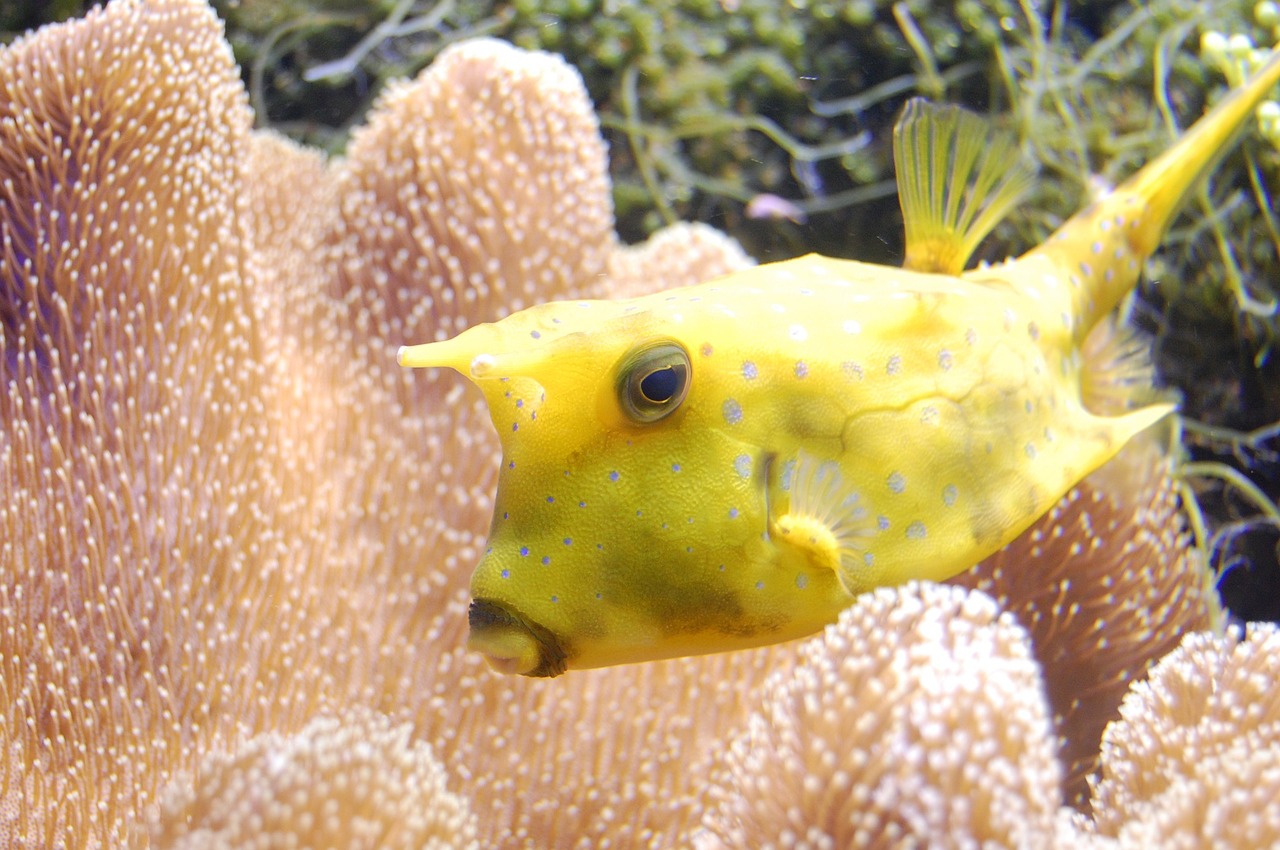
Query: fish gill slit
x=766, y=476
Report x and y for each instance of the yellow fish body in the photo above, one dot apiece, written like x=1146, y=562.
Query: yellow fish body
x=727, y=465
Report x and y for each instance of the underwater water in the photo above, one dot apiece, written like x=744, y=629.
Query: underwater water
x=236, y=536
x=714, y=109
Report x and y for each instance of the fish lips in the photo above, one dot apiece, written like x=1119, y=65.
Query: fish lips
x=512, y=643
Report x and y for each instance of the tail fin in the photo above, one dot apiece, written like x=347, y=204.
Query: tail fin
x=1101, y=249
x=1165, y=182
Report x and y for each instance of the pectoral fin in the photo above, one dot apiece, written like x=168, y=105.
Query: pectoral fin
x=826, y=519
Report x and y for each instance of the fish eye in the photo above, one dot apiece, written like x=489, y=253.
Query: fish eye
x=653, y=381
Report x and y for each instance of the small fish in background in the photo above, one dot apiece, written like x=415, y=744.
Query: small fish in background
x=774, y=207
x=729, y=464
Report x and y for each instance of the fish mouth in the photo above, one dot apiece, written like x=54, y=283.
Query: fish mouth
x=512, y=643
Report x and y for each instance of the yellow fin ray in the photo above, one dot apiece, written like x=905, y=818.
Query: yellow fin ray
x=957, y=178
x=826, y=518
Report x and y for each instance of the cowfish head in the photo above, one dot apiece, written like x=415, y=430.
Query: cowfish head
x=631, y=520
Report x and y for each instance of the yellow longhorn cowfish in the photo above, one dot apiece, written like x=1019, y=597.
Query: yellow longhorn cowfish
x=729, y=464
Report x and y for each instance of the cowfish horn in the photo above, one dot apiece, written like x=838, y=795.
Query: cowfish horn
x=478, y=352
x=460, y=353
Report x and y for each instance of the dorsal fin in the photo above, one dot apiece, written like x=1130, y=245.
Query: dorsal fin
x=957, y=178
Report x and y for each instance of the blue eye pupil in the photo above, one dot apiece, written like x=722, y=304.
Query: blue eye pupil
x=653, y=380
x=660, y=385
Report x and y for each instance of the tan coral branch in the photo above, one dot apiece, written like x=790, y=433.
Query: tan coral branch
x=1194, y=760
x=917, y=720
x=352, y=780
x=1106, y=583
